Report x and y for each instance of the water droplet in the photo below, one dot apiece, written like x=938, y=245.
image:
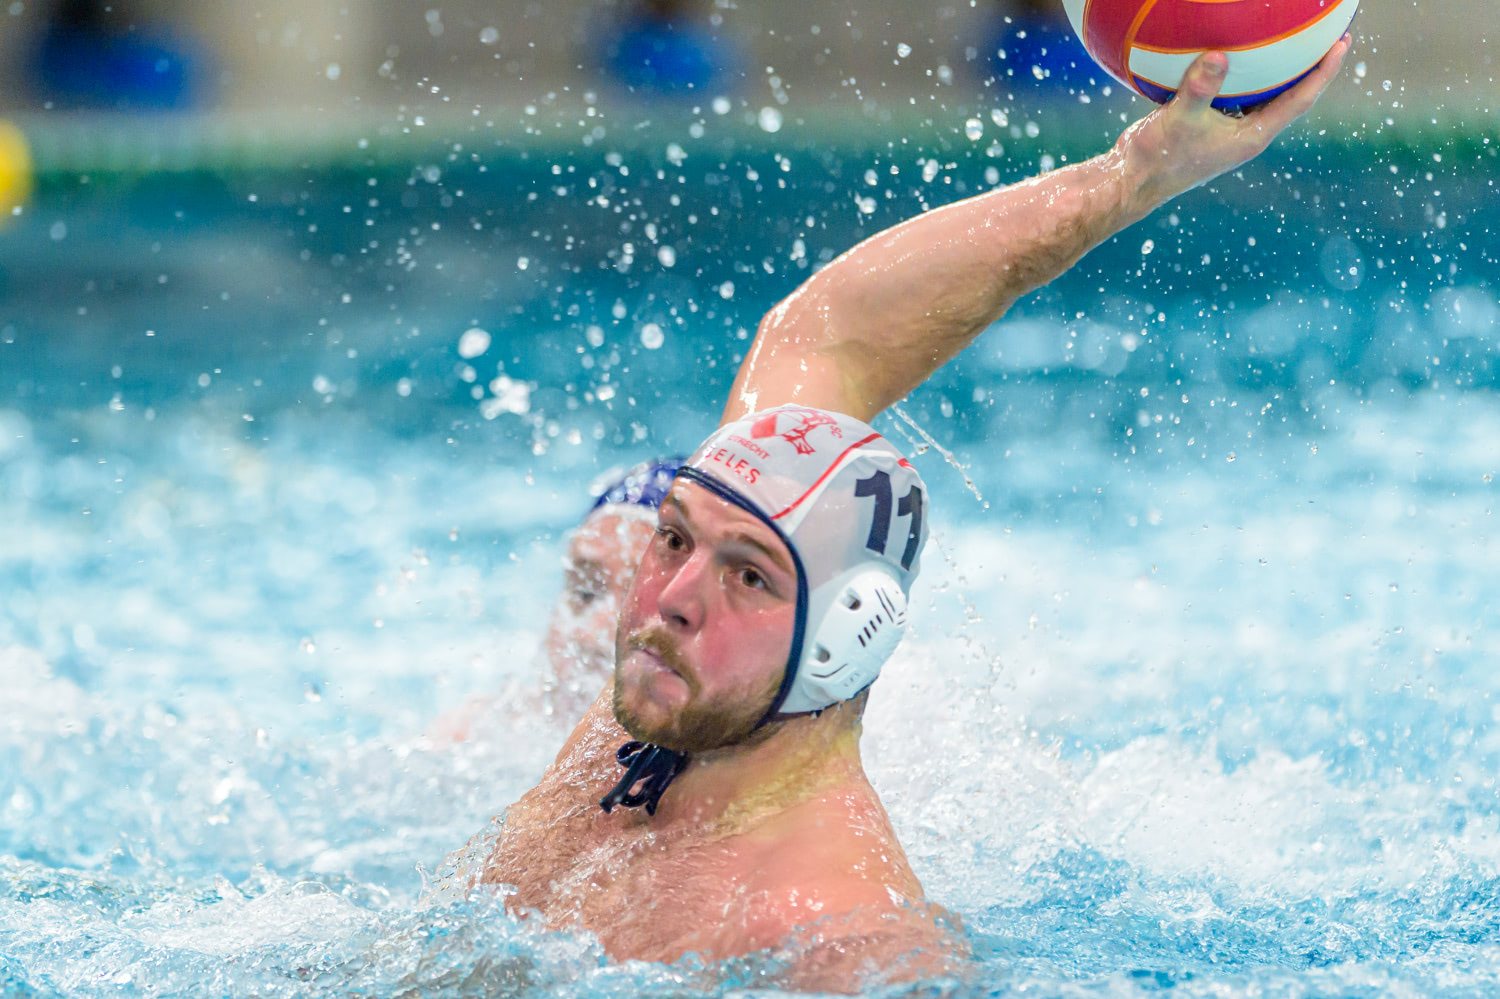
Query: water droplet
x=473, y=343
x=667, y=256
x=1147, y=247
x=1342, y=263
x=903, y=50
x=770, y=120
x=508, y=396
x=651, y=336
x=974, y=129
x=489, y=36
x=999, y=117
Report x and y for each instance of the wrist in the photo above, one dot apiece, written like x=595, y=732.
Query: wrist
x=1146, y=180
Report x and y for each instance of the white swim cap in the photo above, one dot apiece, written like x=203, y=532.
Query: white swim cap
x=852, y=512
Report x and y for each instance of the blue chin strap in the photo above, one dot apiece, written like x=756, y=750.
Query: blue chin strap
x=652, y=767
x=655, y=767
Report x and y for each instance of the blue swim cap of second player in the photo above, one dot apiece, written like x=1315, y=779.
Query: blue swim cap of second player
x=852, y=512
x=644, y=485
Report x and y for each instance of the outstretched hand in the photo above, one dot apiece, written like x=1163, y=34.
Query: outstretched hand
x=1188, y=142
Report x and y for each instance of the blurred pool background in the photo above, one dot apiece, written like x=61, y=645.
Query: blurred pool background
x=316, y=321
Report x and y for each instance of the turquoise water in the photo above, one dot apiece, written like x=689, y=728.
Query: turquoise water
x=1199, y=695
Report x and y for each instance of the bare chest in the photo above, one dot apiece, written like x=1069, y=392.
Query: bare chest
x=642, y=892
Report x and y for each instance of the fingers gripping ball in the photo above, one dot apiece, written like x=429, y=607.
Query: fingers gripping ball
x=1148, y=44
x=15, y=170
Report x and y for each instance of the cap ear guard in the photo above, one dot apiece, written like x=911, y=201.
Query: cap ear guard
x=857, y=634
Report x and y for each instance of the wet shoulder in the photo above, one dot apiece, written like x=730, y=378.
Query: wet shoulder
x=590, y=747
x=825, y=858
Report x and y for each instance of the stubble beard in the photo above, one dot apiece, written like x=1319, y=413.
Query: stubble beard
x=699, y=726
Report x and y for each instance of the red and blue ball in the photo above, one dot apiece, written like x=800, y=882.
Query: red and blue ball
x=1148, y=44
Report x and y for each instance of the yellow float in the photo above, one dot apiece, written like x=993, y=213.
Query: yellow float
x=15, y=170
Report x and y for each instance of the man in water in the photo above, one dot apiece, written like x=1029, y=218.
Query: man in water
x=775, y=585
x=578, y=650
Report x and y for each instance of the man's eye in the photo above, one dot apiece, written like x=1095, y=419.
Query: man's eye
x=753, y=579
x=670, y=538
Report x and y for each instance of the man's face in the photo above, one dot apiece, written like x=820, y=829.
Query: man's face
x=602, y=555
x=706, y=627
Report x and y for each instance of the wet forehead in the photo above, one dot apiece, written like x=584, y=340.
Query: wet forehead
x=611, y=536
x=714, y=519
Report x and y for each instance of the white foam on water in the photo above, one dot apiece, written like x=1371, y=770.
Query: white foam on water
x=1193, y=699
x=236, y=926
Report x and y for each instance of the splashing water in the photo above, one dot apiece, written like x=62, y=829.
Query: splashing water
x=929, y=442
x=1164, y=720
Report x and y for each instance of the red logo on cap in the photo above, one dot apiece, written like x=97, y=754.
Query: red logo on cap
x=808, y=420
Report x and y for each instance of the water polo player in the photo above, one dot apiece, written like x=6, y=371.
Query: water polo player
x=578, y=650
x=597, y=569
x=774, y=587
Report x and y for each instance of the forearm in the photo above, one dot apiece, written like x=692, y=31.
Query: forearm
x=896, y=307
x=901, y=303
x=875, y=323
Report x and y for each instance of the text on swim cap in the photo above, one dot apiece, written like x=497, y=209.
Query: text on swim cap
x=735, y=463
x=749, y=445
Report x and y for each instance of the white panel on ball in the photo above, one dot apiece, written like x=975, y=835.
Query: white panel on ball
x=1252, y=70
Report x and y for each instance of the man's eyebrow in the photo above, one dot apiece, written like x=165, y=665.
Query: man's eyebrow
x=676, y=504
x=777, y=557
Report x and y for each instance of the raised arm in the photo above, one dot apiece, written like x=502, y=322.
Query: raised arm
x=873, y=324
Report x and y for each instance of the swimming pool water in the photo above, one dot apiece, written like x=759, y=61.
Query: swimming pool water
x=1198, y=696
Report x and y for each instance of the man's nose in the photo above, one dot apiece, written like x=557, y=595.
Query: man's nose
x=682, y=600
